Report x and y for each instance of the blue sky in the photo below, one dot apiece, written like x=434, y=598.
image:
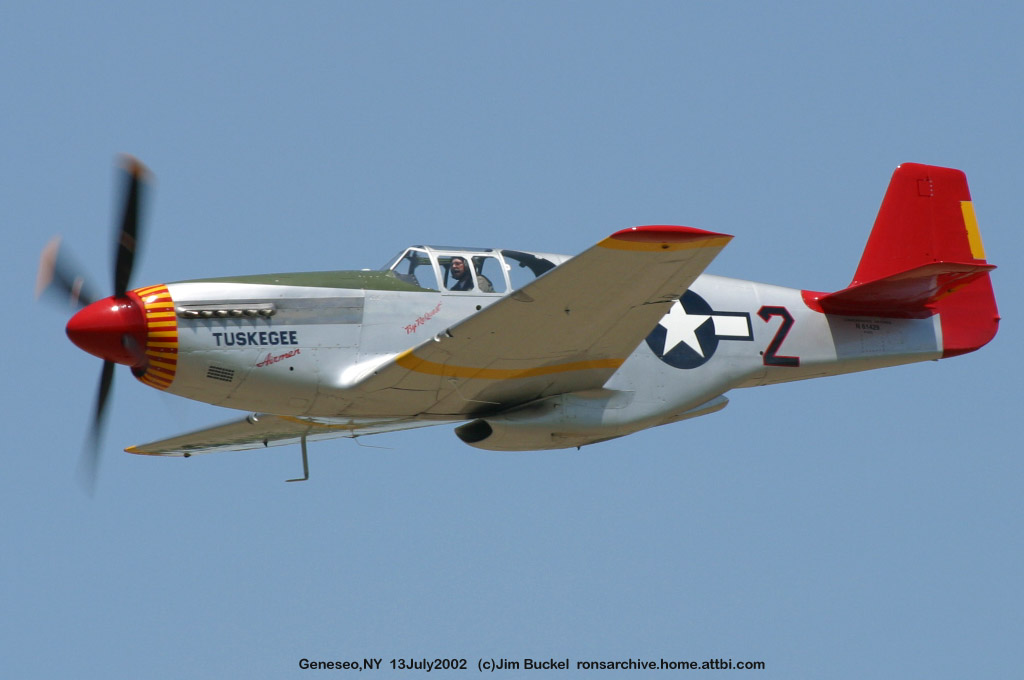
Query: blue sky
x=867, y=525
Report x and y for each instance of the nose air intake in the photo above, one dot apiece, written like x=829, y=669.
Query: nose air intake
x=113, y=329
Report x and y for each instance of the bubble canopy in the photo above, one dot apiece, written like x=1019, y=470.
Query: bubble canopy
x=470, y=270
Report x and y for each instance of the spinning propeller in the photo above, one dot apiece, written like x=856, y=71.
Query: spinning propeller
x=114, y=328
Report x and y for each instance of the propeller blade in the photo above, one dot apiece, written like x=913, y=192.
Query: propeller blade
x=60, y=276
x=57, y=273
x=90, y=462
x=127, y=238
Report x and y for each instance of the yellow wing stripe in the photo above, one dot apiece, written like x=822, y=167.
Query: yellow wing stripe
x=409, y=361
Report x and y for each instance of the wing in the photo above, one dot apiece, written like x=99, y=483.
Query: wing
x=261, y=430
x=568, y=330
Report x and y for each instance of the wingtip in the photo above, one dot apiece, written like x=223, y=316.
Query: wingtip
x=665, y=237
x=659, y=232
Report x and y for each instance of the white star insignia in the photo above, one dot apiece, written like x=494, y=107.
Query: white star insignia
x=682, y=327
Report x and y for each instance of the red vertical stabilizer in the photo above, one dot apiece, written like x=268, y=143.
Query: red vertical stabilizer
x=924, y=257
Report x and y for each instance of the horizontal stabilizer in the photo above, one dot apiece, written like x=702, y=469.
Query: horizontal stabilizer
x=910, y=294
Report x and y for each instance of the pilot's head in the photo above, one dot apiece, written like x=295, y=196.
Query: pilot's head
x=459, y=268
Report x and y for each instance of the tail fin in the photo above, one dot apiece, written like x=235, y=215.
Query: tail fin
x=924, y=257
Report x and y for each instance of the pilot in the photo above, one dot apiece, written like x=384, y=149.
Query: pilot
x=460, y=272
x=464, y=279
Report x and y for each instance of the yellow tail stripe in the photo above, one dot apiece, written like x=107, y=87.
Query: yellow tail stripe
x=973, y=233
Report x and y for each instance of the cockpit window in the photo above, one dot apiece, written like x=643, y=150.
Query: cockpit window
x=469, y=270
x=414, y=267
x=489, y=277
x=472, y=273
x=525, y=267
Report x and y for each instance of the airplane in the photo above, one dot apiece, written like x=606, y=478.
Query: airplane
x=524, y=350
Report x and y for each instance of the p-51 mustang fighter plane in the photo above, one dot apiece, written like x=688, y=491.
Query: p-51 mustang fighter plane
x=531, y=350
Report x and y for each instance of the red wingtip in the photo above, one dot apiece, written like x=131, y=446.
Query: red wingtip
x=664, y=233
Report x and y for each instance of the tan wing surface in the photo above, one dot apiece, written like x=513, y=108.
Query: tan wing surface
x=262, y=430
x=569, y=330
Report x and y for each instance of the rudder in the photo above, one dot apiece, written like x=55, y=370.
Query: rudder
x=924, y=256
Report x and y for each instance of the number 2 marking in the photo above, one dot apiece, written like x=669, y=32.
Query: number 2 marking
x=771, y=358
